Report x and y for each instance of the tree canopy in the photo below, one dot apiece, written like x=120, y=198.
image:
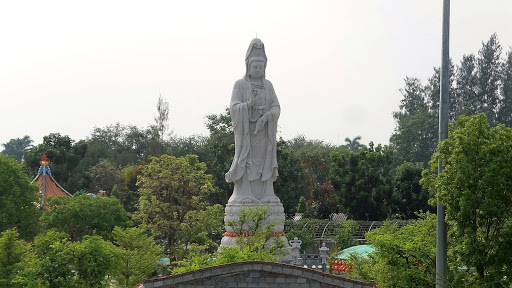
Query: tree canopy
x=16, y=147
x=403, y=257
x=170, y=187
x=18, y=199
x=83, y=215
x=409, y=197
x=476, y=189
x=363, y=181
x=136, y=256
x=478, y=84
x=15, y=255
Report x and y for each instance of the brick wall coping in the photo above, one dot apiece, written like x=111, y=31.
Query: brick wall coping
x=273, y=267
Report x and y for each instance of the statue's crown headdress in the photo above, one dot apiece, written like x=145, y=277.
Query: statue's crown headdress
x=255, y=52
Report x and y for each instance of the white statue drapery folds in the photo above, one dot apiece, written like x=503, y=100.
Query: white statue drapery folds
x=254, y=112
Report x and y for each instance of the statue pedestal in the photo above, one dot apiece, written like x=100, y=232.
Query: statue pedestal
x=275, y=215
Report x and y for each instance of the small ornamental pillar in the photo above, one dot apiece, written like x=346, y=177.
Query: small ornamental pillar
x=323, y=255
x=295, y=247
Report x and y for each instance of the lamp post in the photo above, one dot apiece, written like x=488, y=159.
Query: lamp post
x=441, y=239
x=323, y=255
x=295, y=247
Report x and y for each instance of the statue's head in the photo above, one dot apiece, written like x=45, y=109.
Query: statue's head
x=256, y=57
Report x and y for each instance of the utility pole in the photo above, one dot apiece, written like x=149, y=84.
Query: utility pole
x=441, y=246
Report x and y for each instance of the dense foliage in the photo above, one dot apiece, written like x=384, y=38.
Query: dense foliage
x=83, y=215
x=345, y=235
x=363, y=180
x=480, y=83
x=17, y=199
x=476, y=189
x=15, y=255
x=409, y=196
x=171, y=187
x=403, y=257
x=291, y=184
x=136, y=256
x=202, y=227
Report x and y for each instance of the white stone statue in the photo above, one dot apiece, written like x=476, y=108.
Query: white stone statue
x=254, y=112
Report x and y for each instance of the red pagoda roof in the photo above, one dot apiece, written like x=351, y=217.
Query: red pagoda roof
x=52, y=188
x=48, y=187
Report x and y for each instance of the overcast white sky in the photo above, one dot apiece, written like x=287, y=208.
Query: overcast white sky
x=337, y=66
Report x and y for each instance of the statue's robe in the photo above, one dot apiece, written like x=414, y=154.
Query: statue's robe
x=254, y=167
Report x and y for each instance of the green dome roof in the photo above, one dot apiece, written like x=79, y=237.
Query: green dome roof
x=359, y=250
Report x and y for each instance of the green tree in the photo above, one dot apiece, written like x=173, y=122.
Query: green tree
x=433, y=92
x=92, y=261
x=315, y=158
x=61, y=263
x=120, y=144
x=403, y=257
x=414, y=100
x=202, y=227
x=16, y=147
x=363, y=181
x=104, y=176
x=302, y=206
x=136, y=257
x=478, y=82
x=18, y=199
x=221, y=144
x=129, y=192
x=345, y=235
x=82, y=215
x=353, y=144
x=416, y=132
x=53, y=267
x=475, y=187
x=162, y=119
x=415, y=135
x=157, y=142
x=291, y=184
x=505, y=110
x=135, y=141
x=409, y=197
x=323, y=201
x=15, y=254
x=489, y=75
x=467, y=102
x=192, y=145
x=170, y=187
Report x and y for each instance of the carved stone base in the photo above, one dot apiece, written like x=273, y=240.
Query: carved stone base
x=275, y=215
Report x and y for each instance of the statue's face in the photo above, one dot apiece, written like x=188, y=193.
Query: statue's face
x=257, y=69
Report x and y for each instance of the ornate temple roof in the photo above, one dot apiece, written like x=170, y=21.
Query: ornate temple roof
x=48, y=187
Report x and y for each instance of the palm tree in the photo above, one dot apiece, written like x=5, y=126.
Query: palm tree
x=354, y=145
x=16, y=147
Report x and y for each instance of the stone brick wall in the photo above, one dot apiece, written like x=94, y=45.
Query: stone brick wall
x=255, y=274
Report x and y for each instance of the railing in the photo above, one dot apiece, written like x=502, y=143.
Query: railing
x=325, y=229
